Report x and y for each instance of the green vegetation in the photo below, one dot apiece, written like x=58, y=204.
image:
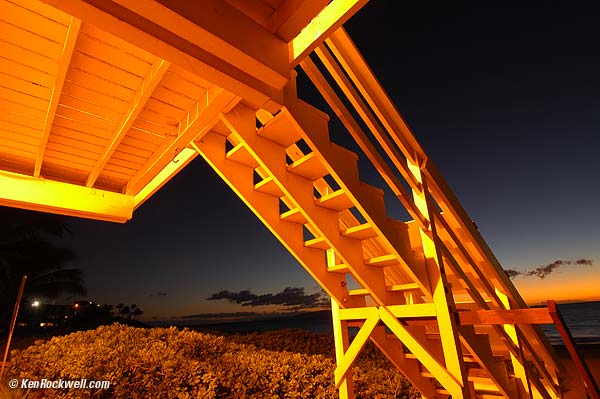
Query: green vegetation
x=172, y=363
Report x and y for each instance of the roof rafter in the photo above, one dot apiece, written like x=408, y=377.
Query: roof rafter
x=198, y=121
x=220, y=43
x=149, y=84
x=65, y=61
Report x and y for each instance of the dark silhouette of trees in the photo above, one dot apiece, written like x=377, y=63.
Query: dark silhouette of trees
x=28, y=245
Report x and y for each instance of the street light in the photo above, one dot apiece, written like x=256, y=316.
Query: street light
x=35, y=304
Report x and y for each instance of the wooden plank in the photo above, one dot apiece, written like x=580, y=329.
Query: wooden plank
x=7, y=116
x=149, y=84
x=91, y=30
x=166, y=109
x=32, y=21
x=14, y=82
x=50, y=196
x=93, y=82
x=199, y=121
x=85, y=118
x=293, y=15
x=17, y=144
x=23, y=99
x=188, y=52
x=107, y=101
x=81, y=127
x=18, y=137
x=174, y=98
x=334, y=15
x=45, y=10
x=22, y=129
x=57, y=85
x=62, y=133
x=82, y=151
x=15, y=150
x=183, y=86
x=21, y=110
x=32, y=41
x=137, y=151
x=189, y=76
x=512, y=316
x=68, y=157
x=88, y=107
x=104, y=70
x=28, y=58
x=125, y=171
x=95, y=47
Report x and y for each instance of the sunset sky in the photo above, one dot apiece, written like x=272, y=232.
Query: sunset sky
x=505, y=101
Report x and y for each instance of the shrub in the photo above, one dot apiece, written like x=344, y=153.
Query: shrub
x=172, y=363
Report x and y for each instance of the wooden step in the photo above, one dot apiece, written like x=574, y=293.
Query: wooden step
x=336, y=201
x=403, y=287
x=309, y=166
x=360, y=232
x=240, y=154
x=280, y=129
x=359, y=292
x=318, y=242
x=382, y=261
x=341, y=268
x=293, y=215
x=268, y=186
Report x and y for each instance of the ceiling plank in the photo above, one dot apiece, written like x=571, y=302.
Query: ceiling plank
x=63, y=68
x=229, y=50
x=38, y=194
x=329, y=19
x=149, y=84
x=198, y=121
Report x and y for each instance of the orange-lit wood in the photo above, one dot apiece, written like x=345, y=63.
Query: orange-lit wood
x=109, y=109
x=65, y=60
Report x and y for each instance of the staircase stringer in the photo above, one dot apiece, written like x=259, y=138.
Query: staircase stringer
x=299, y=191
x=240, y=179
x=299, y=113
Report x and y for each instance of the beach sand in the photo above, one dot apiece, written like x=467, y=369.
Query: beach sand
x=574, y=381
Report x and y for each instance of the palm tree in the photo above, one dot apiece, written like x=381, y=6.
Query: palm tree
x=28, y=247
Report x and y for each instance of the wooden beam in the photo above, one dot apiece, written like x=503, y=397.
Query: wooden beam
x=422, y=352
x=150, y=82
x=181, y=161
x=198, y=121
x=37, y=194
x=513, y=316
x=293, y=15
x=328, y=21
x=59, y=80
x=229, y=50
x=344, y=364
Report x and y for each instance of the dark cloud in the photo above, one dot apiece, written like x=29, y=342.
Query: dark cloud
x=291, y=297
x=544, y=270
x=158, y=293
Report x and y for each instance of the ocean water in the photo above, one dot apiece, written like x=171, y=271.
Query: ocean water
x=583, y=320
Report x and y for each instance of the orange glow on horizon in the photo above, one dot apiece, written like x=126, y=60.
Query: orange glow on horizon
x=579, y=285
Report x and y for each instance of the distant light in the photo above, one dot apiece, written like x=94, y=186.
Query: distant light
x=90, y=302
x=42, y=324
x=35, y=304
x=76, y=305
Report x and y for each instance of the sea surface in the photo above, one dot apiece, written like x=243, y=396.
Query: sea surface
x=582, y=318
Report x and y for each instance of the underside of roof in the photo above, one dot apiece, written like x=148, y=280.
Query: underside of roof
x=107, y=109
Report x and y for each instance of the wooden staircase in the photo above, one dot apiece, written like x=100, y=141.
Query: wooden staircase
x=428, y=292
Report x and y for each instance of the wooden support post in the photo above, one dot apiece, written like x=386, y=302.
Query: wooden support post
x=340, y=336
x=442, y=294
x=518, y=362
